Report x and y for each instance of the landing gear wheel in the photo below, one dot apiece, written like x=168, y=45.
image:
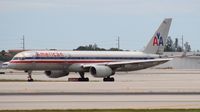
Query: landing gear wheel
x=109, y=79
x=82, y=78
x=30, y=80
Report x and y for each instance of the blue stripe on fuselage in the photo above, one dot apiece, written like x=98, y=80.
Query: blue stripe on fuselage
x=93, y=58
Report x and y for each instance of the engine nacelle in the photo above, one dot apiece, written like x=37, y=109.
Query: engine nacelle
x=101, y=71
x=56, y=73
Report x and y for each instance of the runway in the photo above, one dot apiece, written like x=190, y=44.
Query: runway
x=144, y=89
x=98, y=101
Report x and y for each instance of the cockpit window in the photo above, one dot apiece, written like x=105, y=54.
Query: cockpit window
x=15, y=58
x=18, y=58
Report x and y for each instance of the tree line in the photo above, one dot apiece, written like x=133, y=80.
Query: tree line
x=94, y=47
x=174, y=46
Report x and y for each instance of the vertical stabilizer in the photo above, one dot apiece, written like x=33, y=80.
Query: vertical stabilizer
x=159, y=39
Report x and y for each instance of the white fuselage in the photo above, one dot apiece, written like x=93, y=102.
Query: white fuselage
x=72, y=60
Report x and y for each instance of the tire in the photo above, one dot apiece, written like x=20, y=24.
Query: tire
x=109, y=79
x=83, y=79
x=30, y=80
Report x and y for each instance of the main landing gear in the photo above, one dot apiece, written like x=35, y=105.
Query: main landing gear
x=108, y=79
x=30, y=79
x=83, y=78
x=86, y=79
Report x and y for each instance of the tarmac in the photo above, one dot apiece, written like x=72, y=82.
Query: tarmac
x=145, y=89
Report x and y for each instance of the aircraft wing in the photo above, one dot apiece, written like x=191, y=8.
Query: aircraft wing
x=134, y=62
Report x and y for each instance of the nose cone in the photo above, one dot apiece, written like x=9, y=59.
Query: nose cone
x=5, y=65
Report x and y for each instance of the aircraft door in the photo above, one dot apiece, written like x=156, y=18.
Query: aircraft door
x=66, y=63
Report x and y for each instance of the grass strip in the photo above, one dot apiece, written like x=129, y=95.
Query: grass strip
x=108, y=110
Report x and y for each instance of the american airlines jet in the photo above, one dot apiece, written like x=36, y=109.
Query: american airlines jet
x=100, y=64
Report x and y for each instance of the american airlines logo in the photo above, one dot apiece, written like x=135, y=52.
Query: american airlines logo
x=49, y=54
x=158, y=40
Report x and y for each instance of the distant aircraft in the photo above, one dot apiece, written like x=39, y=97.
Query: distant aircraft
x=100, y=64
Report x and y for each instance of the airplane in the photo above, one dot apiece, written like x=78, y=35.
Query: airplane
x=100, y=64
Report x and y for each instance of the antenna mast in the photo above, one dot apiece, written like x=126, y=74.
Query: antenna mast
x=118, y=43
x=23, y=43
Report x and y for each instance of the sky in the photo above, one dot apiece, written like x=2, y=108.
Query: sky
x=67, y=24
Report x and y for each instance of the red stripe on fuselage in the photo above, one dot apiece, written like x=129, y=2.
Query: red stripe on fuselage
x=70, y=62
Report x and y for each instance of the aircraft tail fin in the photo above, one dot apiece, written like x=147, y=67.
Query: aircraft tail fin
x=159, y=39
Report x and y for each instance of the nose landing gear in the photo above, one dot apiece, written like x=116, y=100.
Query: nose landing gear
x=30, y=79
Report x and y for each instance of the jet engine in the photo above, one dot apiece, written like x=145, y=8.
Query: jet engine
x=56, y=73
x=101, y=71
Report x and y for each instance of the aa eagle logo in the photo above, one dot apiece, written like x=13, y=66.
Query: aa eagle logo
x=158, y=40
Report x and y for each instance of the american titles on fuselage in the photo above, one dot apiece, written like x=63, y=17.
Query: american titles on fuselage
x=49, y=54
